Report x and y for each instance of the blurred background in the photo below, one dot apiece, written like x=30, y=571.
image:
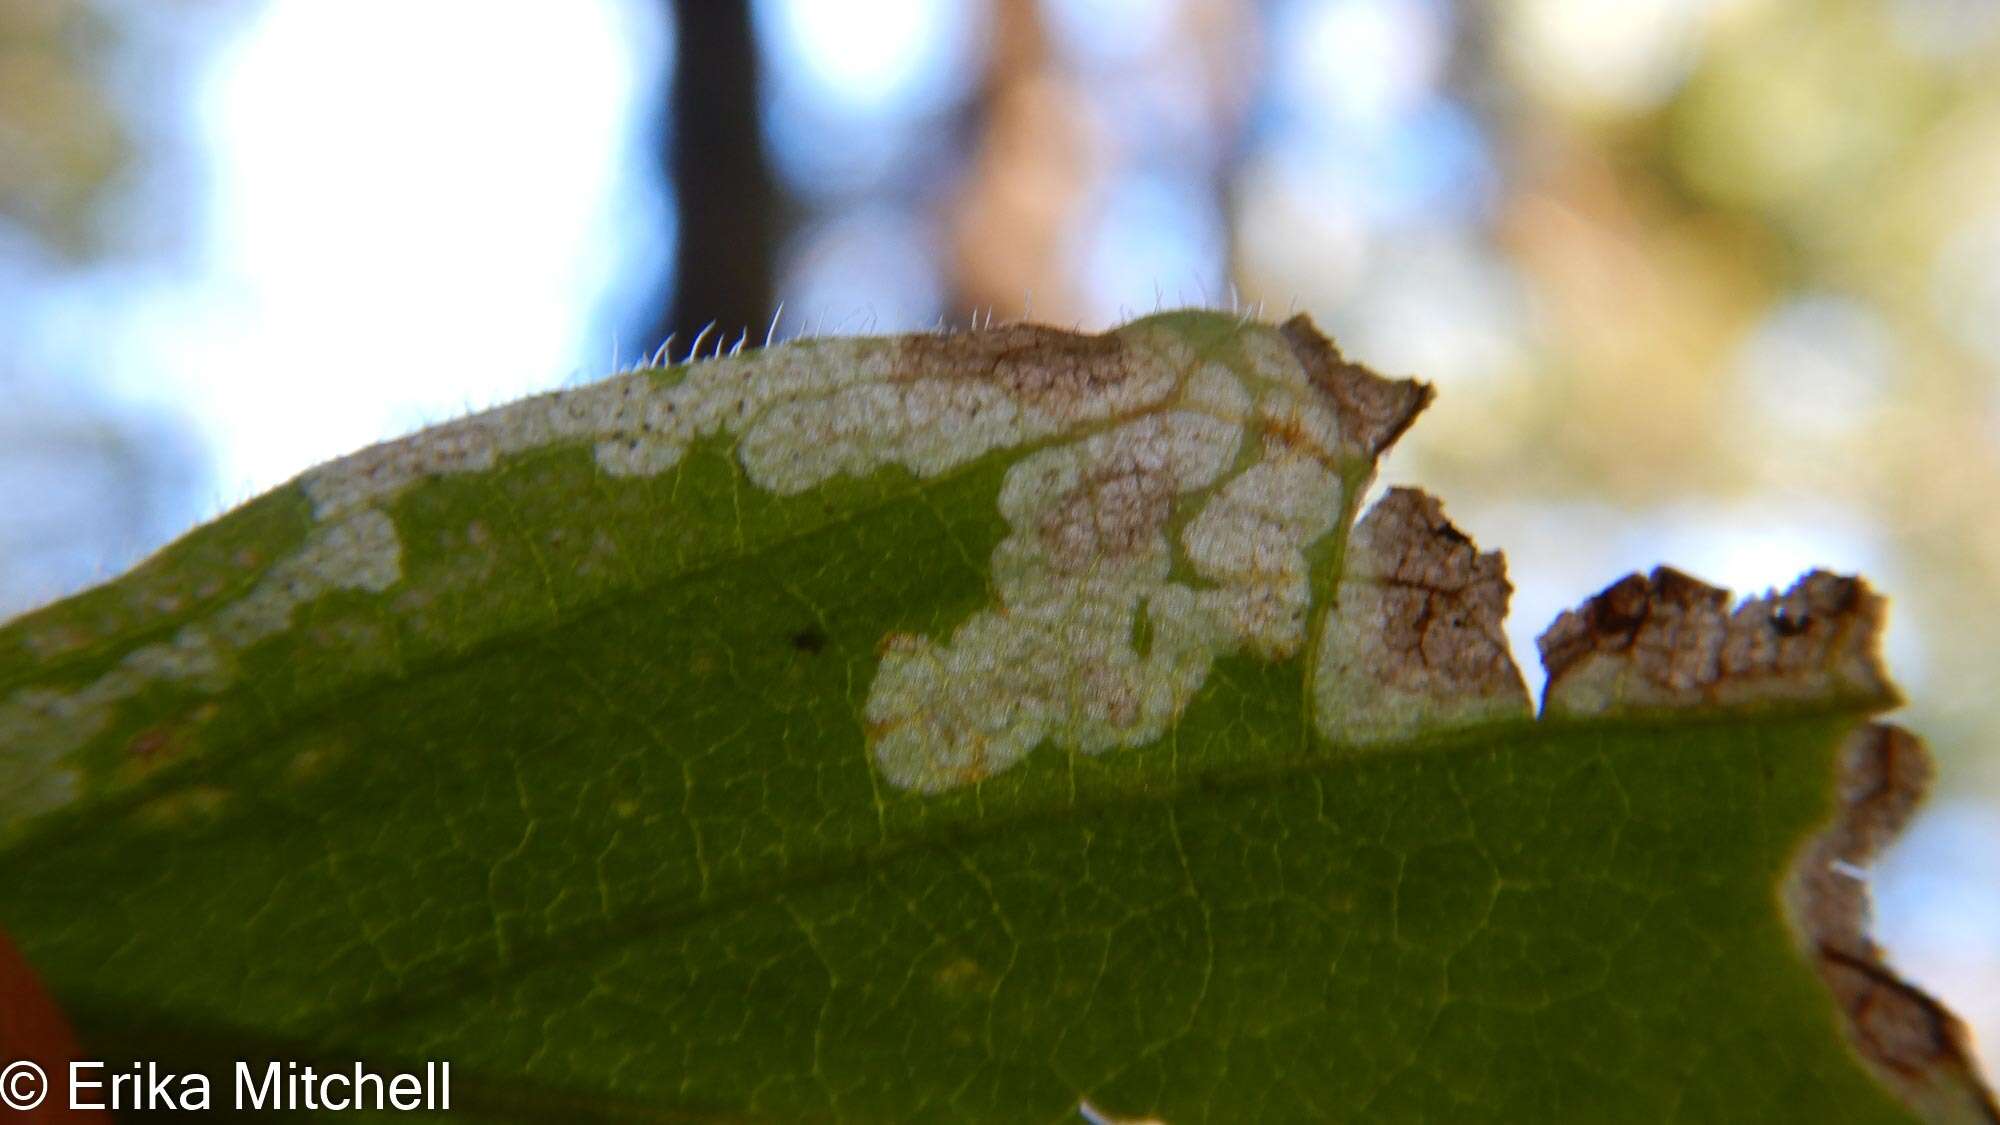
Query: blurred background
x=1712, y=282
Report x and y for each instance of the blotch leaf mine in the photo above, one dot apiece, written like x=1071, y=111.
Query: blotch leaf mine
x=1015, y=725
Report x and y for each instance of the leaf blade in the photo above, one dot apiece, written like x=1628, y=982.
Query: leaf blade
x=591, y=797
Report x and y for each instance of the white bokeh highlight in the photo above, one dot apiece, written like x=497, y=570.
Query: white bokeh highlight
x=401, y=226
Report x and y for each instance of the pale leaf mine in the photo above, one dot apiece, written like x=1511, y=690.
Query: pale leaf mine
x=1188, y=479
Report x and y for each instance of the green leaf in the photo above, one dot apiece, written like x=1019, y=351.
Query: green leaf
x=1015, y=725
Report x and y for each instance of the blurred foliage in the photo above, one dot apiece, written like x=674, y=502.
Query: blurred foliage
x=63, y=138
x=1745, y=286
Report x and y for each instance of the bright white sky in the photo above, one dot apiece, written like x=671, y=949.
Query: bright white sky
x=411, y=210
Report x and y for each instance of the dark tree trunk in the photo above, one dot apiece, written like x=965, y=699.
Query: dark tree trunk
x=728, y=212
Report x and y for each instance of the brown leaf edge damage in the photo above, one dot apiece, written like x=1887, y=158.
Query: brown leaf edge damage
x=1373, y=411
x=1911, y=1042
x=1668, y=641
x=1648, y=644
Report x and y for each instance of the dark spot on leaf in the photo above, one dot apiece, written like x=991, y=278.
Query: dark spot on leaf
x=810, y=640
x=147, y=743
x=150, y=744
